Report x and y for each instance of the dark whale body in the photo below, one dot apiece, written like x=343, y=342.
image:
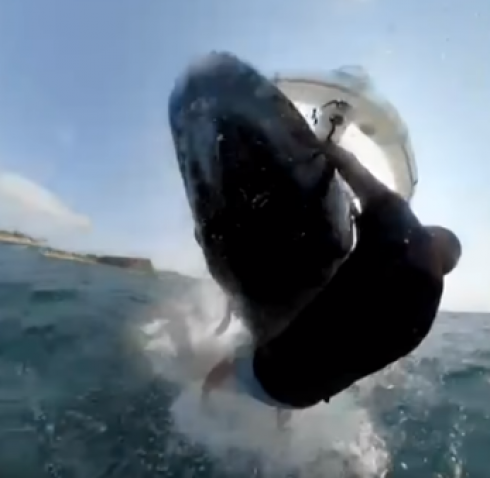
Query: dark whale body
x=270, y=214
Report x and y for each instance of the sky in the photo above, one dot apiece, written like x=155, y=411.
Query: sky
x=86, y=158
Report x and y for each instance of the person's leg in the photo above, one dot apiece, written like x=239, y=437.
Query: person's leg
x=268, y=212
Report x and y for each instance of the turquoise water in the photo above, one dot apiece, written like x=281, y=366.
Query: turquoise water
x=89, y=387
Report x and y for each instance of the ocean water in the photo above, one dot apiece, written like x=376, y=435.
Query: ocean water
x=100, y=371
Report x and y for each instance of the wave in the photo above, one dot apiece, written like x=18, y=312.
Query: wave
x=105, y=382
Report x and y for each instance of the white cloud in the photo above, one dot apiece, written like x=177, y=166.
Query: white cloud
x=31, y=208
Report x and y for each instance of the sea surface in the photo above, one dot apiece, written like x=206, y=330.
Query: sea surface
x=99, y=378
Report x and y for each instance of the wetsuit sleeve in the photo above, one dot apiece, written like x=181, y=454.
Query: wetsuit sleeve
x=400, y=316
x=406, y=311
x=407, y=292
x=388, y=221
x=396, y=294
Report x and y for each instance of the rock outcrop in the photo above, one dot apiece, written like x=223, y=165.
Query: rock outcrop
x=135, y=263
x=14, y=237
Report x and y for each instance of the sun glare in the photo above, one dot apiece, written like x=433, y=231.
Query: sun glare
x=369, y=153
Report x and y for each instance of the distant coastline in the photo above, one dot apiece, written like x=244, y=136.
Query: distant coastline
x=141, y=264
x=18, y=238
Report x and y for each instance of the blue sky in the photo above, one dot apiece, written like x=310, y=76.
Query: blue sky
x=85, y=153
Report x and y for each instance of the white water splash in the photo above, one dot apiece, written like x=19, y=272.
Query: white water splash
x=338, y=440
x=334, y=440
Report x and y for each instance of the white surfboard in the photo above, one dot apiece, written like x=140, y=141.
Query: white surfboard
x=372, y=126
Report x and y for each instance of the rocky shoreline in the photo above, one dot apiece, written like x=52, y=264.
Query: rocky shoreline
x=141, y=264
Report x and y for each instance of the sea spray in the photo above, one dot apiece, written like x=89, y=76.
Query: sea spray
x=337, y=438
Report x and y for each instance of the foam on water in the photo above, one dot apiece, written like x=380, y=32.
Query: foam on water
x=339, y=438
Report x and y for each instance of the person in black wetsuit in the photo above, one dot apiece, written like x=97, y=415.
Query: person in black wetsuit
x=378, y=308
x=272, y=223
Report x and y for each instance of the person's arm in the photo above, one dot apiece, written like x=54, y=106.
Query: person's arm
x=362, y=182
x=225, y=323
x=218, y=374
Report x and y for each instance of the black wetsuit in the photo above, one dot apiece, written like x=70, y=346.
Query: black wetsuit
x=377, y=309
